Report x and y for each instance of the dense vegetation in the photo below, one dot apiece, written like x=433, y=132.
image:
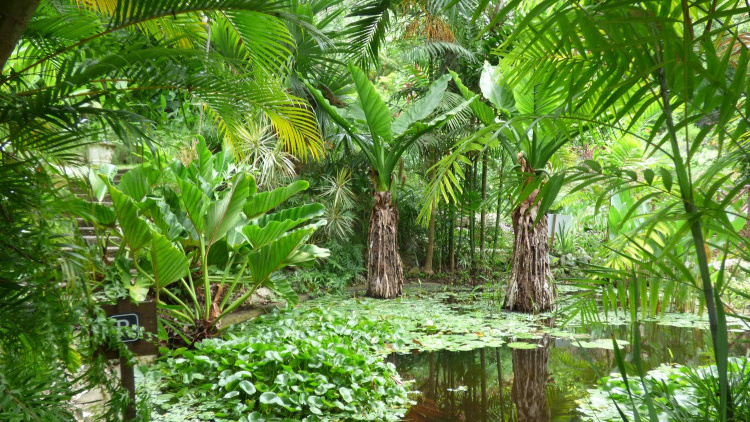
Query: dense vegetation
x=508, y=174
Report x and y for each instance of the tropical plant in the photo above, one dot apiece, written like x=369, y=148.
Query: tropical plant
x=302, y=365
x=204, y=227
x=531, y=144
x=383, y=141
x=613, y=63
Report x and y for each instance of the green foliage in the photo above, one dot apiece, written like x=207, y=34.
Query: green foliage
x=344, y=266
x=208, y=217
x=677, y=392
x=382, y=141
x=317, y=365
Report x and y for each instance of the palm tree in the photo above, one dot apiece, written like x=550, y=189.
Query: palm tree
x=383, y=141
x=512, y=125
x=613, y=63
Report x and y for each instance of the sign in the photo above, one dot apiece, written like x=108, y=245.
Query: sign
x=133, y=321
x=128, y=326
x=141, y=322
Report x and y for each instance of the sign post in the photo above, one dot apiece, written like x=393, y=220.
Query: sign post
x=135, y=320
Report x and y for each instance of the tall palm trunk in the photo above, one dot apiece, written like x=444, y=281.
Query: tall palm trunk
x=483, y=219
x=385, y=275
x=451, y=241
x=427, y=269
x=530, y=287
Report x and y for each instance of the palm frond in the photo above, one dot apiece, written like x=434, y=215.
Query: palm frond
x=368, y=29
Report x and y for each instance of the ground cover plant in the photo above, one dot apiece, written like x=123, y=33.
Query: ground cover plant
x=318, y=365
x=678, y=393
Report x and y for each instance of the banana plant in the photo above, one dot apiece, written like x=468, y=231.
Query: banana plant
x=205, y=229
x=383, y=140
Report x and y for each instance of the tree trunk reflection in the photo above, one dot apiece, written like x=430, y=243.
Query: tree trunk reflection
x=530, y=374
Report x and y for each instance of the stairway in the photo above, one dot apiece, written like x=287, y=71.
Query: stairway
x=86, y=229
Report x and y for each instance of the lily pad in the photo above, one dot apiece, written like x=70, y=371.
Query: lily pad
x=522, y=345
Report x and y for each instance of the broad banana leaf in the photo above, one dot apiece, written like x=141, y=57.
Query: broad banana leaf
x=136, y=183
x=168, y=262
x=494, y=90
x=225, y=213
x=306, y=254
x=98, y=213
x=263, y=202
x=138, y=290
x=281, y=286
x=484, y=113
x=305, y=211
x=204, y=165
x=98, y=187
x=376, y=112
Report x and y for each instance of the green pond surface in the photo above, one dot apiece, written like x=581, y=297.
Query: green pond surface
x=544, y=383
x=470, y=361
x=460, y=355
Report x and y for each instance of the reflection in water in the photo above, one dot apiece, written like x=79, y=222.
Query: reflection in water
x=530, y=373
x=541, y=384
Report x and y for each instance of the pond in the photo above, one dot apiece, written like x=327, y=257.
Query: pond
x=456, y=357
x=539, y=384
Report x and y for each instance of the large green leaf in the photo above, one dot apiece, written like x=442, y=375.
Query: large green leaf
x=225, y=213
x=484, y=113
x=306, y=211
x=494, y=90
x=263, y=202
x=306, y=254
x=98, y=187
x=340, y=120
x=168, y=262
x=136, y=182
x=195, y=203
x=274, y=256
x=536, y=99
x=135, y=231
x=376, y=112
x=418, y=129
x=281, y=286
x=269, y=229
x=261, y=236
x=422, y=108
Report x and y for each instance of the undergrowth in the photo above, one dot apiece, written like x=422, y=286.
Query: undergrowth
x=320, y=366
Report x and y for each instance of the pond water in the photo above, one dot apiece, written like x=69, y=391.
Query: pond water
x=540, y=384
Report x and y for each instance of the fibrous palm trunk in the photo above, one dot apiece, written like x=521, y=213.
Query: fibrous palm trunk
x=530, y=287
x=385, y=275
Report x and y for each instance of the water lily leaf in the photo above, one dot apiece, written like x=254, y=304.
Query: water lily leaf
x=522, y=345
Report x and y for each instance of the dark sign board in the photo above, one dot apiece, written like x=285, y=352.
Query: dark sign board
x=129, y=328
x=140, y=320
x=134, y=321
